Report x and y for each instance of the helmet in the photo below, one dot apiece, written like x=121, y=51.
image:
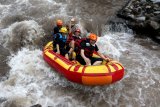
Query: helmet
x=63, y=30
x=93, y=36
x=78, y=30
x=59, y=22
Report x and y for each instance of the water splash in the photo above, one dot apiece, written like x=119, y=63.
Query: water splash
x=25, y=33
x=32, y=81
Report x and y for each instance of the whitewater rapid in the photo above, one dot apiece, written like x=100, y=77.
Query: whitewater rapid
x=25, y=27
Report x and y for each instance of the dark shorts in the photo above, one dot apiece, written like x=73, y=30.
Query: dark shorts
x=93, y=59
x=67, y=48
x=62, y=51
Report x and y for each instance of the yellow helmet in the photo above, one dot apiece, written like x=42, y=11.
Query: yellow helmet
x=63, y=30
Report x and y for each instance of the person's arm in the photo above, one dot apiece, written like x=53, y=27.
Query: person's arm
x=103, y=57
x=70, y=30
x=71, y=45
x=87, y=60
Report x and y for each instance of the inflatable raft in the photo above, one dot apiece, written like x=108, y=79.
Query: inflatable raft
x=107, y=73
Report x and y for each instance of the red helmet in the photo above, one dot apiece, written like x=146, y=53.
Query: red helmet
x=78, y=30
x=59, y=22
x=93, y=36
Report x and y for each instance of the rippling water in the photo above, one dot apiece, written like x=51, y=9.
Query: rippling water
x=25, y=79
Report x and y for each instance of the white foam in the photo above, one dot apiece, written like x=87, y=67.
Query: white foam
x=30, y=29
x=31, y=77
x=32, y=81
x=105, y=46
x=111, y=44
x=4, y=10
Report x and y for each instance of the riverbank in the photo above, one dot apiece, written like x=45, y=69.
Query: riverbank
x=143, y=16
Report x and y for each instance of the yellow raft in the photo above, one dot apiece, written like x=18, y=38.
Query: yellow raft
x=107, y=73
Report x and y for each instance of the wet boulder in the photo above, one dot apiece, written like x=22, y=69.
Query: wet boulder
x=143, y=16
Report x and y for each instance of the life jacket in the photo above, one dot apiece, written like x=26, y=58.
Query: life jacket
x=89, y=49
x=70, y=38
x=61, y=37
x=77, y=45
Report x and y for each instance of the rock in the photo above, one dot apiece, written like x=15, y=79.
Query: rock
x=143, y=1
x=154, y=25
x=131, y=16
x=157, y=12
x=131, y=7
x=139, y=10
x=158, y=37
x=141, y=18
x=128, y=10
x=156, y=7
x=149, y=10
x=148, y=7
x=155, y=1
x=136, y=11
x=156, y=18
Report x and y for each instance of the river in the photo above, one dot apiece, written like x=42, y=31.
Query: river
x=26, y=79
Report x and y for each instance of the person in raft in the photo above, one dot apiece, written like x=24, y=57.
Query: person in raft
x=60, y=42
x=85, y=53
x=70, y=44
x=59, y=24
x=72, y=25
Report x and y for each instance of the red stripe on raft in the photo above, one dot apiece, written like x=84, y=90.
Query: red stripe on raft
x=76, y=68
x=84, y=67
x=114, y=66
x=109, y=70
x=69, y=68
x=120, y=65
